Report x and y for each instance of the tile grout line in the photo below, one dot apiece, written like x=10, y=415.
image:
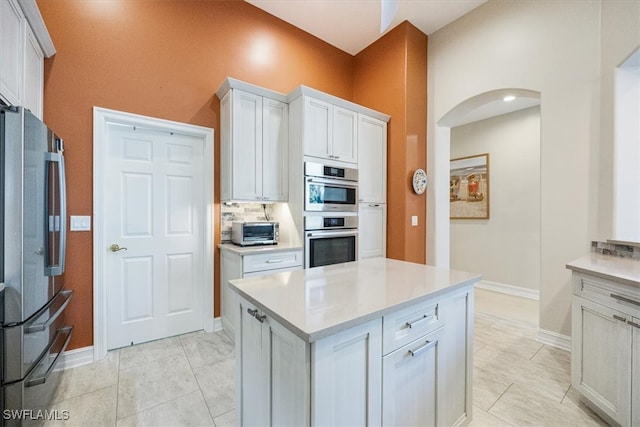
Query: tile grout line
x=500, y=397
x=115, y=416
x=198, y=383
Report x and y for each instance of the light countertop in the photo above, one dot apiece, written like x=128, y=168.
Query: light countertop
x=318, y=302
x=622, y=270
x=248, y=250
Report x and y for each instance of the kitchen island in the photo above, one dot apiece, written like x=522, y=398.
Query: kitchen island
x=371, y=342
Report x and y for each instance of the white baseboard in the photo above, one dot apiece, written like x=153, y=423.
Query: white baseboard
x=217, y=324
x=554, y=339
x=209, y=325
x=84, y=356
x=74, y=358
x=503, y=288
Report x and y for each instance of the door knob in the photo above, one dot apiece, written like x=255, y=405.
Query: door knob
x=115, y=248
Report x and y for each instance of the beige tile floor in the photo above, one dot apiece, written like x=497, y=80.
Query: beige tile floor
x=189, y=380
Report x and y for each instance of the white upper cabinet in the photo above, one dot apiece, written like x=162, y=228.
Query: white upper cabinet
x=372, y=159
x=345, y=135
x=275, y=149
x=330, y=132
x=12, y=47
x=318, y=121
x=254, y=145
x=33, y=75
x=24, y=43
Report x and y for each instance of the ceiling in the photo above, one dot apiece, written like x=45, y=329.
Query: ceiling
x=352, y=25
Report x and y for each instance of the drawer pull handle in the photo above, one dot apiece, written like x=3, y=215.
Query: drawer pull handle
x=634, y=324
x=415, y=322
x=252, y=313
x=424, y=347
x=625, y=299
x=274, y=261
x=261, y=317
x=622, y=319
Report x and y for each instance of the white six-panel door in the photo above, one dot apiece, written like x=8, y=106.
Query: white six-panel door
x=155, y=209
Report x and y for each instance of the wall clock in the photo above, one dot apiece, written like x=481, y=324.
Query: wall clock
x=419, y=181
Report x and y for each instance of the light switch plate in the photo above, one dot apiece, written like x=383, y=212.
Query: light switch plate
x=80, y=223
x=414, y=220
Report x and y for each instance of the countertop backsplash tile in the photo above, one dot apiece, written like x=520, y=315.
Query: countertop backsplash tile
x=616, y=249
x=230, y=212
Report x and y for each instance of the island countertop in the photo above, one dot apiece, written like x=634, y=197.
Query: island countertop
x=318, y=302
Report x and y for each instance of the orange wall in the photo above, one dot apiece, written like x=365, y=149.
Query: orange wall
x=163, y=59
x=166, y=59
x=391, y=76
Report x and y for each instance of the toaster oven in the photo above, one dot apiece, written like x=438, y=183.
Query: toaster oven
x=254, y=233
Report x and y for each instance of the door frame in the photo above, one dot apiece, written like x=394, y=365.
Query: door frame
x=102, y=117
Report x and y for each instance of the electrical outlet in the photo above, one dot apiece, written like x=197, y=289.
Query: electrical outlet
x=414, y=221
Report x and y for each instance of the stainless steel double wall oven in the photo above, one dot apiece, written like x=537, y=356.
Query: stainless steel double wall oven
x=331, y=209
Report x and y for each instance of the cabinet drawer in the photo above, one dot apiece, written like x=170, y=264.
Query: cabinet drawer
x=404, y=326
x=609, y=293
x=271, y=261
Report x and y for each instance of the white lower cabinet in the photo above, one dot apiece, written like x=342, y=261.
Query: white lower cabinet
x=424, y=377
x=605, y=354
x=412, y=382
x=272, y=372
x=237, y=266
x=347, y=377
x=457, y=403
x=635, y=362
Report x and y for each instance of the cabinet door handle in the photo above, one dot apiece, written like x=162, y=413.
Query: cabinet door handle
x=374, y=206
x=622, y=319
x=634, y=324
x=261, y=317
x=625, y=299
x=415, y=322
x=424, y=347
x=252, y=313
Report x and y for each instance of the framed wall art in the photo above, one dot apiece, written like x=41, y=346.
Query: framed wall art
x=469, y=187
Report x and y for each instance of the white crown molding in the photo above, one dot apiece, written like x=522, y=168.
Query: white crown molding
x=32, y=13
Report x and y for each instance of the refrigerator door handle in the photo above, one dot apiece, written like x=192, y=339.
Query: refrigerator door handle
x=57, y=222
x=63, y=208
x=39, y=327
x=43, y=378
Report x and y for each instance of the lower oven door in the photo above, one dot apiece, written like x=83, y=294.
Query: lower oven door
x=330, y=247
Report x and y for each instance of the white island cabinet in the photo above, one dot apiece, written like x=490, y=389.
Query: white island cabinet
x=372, y=342
x=605, y=342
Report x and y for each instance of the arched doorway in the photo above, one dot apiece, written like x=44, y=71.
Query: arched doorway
x=505, y=247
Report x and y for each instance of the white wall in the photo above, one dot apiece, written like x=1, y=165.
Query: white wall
x=553, y=48
x=505, y=248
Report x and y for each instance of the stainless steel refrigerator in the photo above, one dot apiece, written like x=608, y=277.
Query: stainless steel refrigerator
x=32, y=263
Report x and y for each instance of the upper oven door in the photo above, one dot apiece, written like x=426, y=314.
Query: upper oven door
x=330, y=195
